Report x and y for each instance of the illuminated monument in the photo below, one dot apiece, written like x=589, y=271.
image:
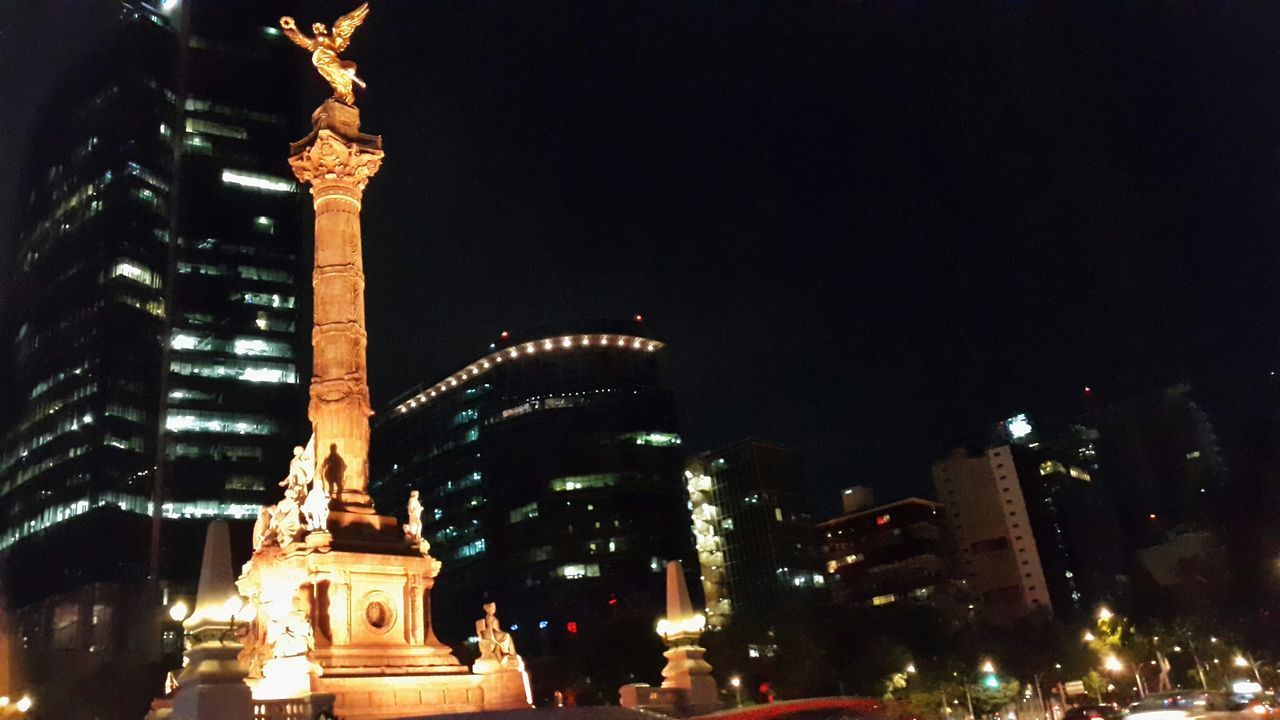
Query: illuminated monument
x=340, y=594
x=687, y=689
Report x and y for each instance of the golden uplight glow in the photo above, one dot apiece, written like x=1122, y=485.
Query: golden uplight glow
x=691, y=625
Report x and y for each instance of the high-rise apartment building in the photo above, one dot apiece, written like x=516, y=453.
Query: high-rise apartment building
x=996, y=545
x=1060, y=531
x=551, y=470
x=894, y=553
x=151, y=323
x=765, y=529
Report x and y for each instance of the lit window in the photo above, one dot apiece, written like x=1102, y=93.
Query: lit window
x=134, y=271
x=213, y=128
x=258, y=181
x=203, y=421
x=584, y=482
x=655, y=439
x=265, y=224
x=275, y=300
x=578, y=571
x=524, y=512
x=471, y=549
x=196, y=144
x=883, y=599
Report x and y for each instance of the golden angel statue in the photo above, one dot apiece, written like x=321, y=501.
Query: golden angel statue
x=324, y=49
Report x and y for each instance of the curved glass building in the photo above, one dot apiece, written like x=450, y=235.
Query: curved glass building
x=551, y=470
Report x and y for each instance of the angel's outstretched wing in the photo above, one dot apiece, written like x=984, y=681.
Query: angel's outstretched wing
x=344, y=26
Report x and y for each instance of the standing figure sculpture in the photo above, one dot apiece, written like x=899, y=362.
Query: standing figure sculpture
x=302, y=468
x=315, y=508
x=325, y=46
x=413, y=529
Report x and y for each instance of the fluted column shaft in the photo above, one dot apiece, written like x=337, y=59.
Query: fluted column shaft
x=336, y=160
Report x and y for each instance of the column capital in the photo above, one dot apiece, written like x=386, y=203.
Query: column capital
x=335, y=153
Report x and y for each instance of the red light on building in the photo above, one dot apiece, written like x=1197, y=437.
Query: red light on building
x=505, y=335
x=1152, y=516
x=613, y=601
x=571, y=626
x=1088, y=390
x=882, y=520
x=639, y=318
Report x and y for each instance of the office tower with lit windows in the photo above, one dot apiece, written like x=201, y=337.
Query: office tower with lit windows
x=151, y=316
x=551, y=470
x=772, y=557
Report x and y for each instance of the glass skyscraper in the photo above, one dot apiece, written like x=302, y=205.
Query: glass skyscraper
x=152, y=323
x=551, y=470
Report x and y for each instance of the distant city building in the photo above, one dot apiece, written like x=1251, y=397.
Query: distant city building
x=1161, y=463
x=996, y=544
x=153, y=303
x=856, y=499
x=899, y=552
x=551, y=468
x=770, y=545
x=1061, y=531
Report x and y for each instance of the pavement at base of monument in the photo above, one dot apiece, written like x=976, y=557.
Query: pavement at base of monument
x=600, y=712
x=833, y=708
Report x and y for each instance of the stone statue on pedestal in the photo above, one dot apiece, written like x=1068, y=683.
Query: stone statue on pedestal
x=495, y=644
x=324, y=49
x=315, y=508
x=413, y=529
x=287, y=519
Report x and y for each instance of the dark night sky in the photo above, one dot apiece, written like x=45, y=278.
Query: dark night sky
x=863, y=227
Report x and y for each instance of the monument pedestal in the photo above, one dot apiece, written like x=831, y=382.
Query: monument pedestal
x=366, y=597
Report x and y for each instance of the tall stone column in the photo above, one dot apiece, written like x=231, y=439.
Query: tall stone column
x=337, y=160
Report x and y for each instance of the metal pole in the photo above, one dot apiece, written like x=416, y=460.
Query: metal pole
x=1040, y=696
x=1204, y=682
x=1253, y=664
x=969, y=699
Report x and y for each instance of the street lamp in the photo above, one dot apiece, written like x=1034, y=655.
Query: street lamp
x=988, y=667
x=178, y=611
x=911, y=668
x=1112, y=664
x=1104, y=614
x=1088, y=636
x=735, y=682
x=24, y=704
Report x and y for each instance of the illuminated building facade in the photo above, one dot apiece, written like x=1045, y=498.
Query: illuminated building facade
x=894, y=553
x=1034, y=525
x=988, y=514
x=708, y=539
x=770, y=545
x=551, y=470
x=150, y=218
x=151, y=314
